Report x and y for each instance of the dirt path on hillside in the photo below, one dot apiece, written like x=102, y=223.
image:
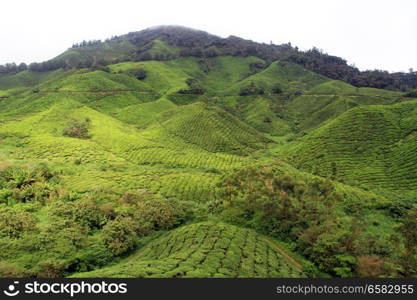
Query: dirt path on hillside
x=287, y=257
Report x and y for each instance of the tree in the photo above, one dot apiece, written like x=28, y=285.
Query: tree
x=194, y=87
x=14, y=223
x=9, y=68
x=119, y=235
x=140, y=73
x=276, y=89
x=22, y=67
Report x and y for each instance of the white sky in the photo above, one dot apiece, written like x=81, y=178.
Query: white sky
x=372, y=34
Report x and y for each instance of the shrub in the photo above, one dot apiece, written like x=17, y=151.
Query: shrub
x=108, y=210
x=194, y=87
x=138, y=214
x=83, y=212
x=211, y=51
x=24, y=184
x=51, y=269
x=251, y=89
x=14, y=223
x=276, y=89
x=151, y=212
x=119, y=235
x=256, y=67
x=100, y=68
x=11, y=270
x=139, y=74
x=371, y=266
x=302, y=212
x=77, y=129
x=408, y=230
x=411, y=94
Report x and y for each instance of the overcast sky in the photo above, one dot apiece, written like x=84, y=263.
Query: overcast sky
x=371, y=34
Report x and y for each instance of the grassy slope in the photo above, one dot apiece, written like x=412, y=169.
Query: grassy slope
x=159, y=47
x=328, y=100
x=107, y=51
x=225, y=71
x=29, y=78
x=160, y=76
x=211, y=128
x=33, y=132
x=290, y=77
x=372, y=146
x=143, y=114
x=258, y=113
x=143, y=140
x=95, y=81
x=205, y=250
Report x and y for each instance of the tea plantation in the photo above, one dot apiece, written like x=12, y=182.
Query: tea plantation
x=168, y=160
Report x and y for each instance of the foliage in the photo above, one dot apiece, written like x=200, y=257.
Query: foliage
x=409, y=233
x=119, y=235
x=138, y=73
x=276, y=89
x=81, y=232
x=148, y=132
x=251, y=89
x=194, y=87
x=14, y=223
x=337, y=68
x=310, y=214
x=169, y=42
x=205, y=250
x=412, y=94
x=27, y=184
x=77, y=129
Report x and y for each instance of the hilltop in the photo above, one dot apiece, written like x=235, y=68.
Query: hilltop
x=206, y=250
x=170, y=42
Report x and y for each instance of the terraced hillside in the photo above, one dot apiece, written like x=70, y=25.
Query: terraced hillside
x=369, y=146
x=328, y=100
x=102, y=160
x=206, y=250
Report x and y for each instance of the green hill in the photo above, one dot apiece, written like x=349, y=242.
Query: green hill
x=287, y=76
x=29, y=78
x=211, y=128
x=371, y=146
x=205, y=250
x=259, y=114
x=109, y=147
x=86, y=55
x=328, y=100
x=94, y=81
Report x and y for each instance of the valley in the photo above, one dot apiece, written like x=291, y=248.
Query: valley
x=143, y=157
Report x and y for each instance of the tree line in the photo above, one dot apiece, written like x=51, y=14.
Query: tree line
x=50, y=65
x=337, y=68
x=203, y=45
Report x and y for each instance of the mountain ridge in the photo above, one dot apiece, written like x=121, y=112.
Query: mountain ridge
x=137, y=46
x=203, y=163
